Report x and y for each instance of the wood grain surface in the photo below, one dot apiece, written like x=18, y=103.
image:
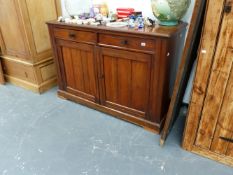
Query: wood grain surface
x=123, y=72
x=209, y=127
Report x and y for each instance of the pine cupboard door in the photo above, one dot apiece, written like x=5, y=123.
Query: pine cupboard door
x=215, y=132
x=78, y=69
x=125, y=81
x=36, y=14
x=12, y=34
x=222, y=142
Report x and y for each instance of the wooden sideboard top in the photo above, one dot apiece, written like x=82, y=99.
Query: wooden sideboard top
x=157, y=30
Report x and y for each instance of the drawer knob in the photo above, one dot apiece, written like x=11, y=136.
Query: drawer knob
x=124, y=42
x=72, y=35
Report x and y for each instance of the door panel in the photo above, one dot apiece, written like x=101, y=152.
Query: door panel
x=216, y=125
x=80, y=70
x=123, y=79
x=230, y=149
x=12, y=32
x=39, y=13
x=69, y=67
x=139, y=72
x=126, y=80
x=213, y=101
x=225, y=122
x=78, y=67
x=111, y=78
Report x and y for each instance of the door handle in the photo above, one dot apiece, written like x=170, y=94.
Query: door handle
x=72, y=35
x=226, y=139
x=124, y=42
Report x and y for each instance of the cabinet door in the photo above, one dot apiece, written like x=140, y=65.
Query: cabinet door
x=79, y=69
x=38, y=13
x=222, y=142
x=125, y=80
x=12, y=31
x=216, y=126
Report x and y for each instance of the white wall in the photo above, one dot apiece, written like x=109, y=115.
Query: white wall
x=78, y=6
x=188, y=16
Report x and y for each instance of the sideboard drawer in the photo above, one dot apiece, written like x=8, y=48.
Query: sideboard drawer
x=127, y=42
x=75, y=35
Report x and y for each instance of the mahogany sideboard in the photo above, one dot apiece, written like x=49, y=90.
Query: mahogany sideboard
x=120, y=71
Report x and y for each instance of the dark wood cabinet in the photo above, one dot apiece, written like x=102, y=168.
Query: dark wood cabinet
x=122, y=72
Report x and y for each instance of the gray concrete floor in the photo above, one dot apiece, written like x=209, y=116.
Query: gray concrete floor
x=45, y=135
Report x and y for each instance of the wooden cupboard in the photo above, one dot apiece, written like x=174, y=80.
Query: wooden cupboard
x=24, y=41
x=123, y=72
x=209, y=127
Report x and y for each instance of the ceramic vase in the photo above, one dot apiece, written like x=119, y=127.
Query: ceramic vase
x=169, y=12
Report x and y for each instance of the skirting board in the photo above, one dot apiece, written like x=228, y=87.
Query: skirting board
x=37, y=77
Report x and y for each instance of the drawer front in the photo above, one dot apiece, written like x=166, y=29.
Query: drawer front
x=74, y=35
x=127, y=42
